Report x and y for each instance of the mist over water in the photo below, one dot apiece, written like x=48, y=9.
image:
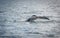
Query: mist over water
x=14, y=13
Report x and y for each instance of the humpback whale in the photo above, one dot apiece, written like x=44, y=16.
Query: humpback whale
x=34, y=17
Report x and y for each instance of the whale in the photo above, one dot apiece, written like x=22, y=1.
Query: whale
x=34, y=17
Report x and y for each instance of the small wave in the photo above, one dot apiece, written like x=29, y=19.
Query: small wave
x=50, y=35
x=51, y=21
x=33, y=33
x=1, y=11
x=10, y=36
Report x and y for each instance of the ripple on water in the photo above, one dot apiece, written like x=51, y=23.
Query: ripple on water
x=33, y=33
x=10, y=36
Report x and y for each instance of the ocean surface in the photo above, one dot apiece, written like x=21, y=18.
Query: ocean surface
x=14, y=13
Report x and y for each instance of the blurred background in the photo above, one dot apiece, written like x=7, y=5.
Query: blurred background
x=13, y=14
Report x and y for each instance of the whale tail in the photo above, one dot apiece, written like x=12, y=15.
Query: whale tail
x=34, y=17
x=44, y=18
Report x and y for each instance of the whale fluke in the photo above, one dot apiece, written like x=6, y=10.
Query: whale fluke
x=34, y=17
